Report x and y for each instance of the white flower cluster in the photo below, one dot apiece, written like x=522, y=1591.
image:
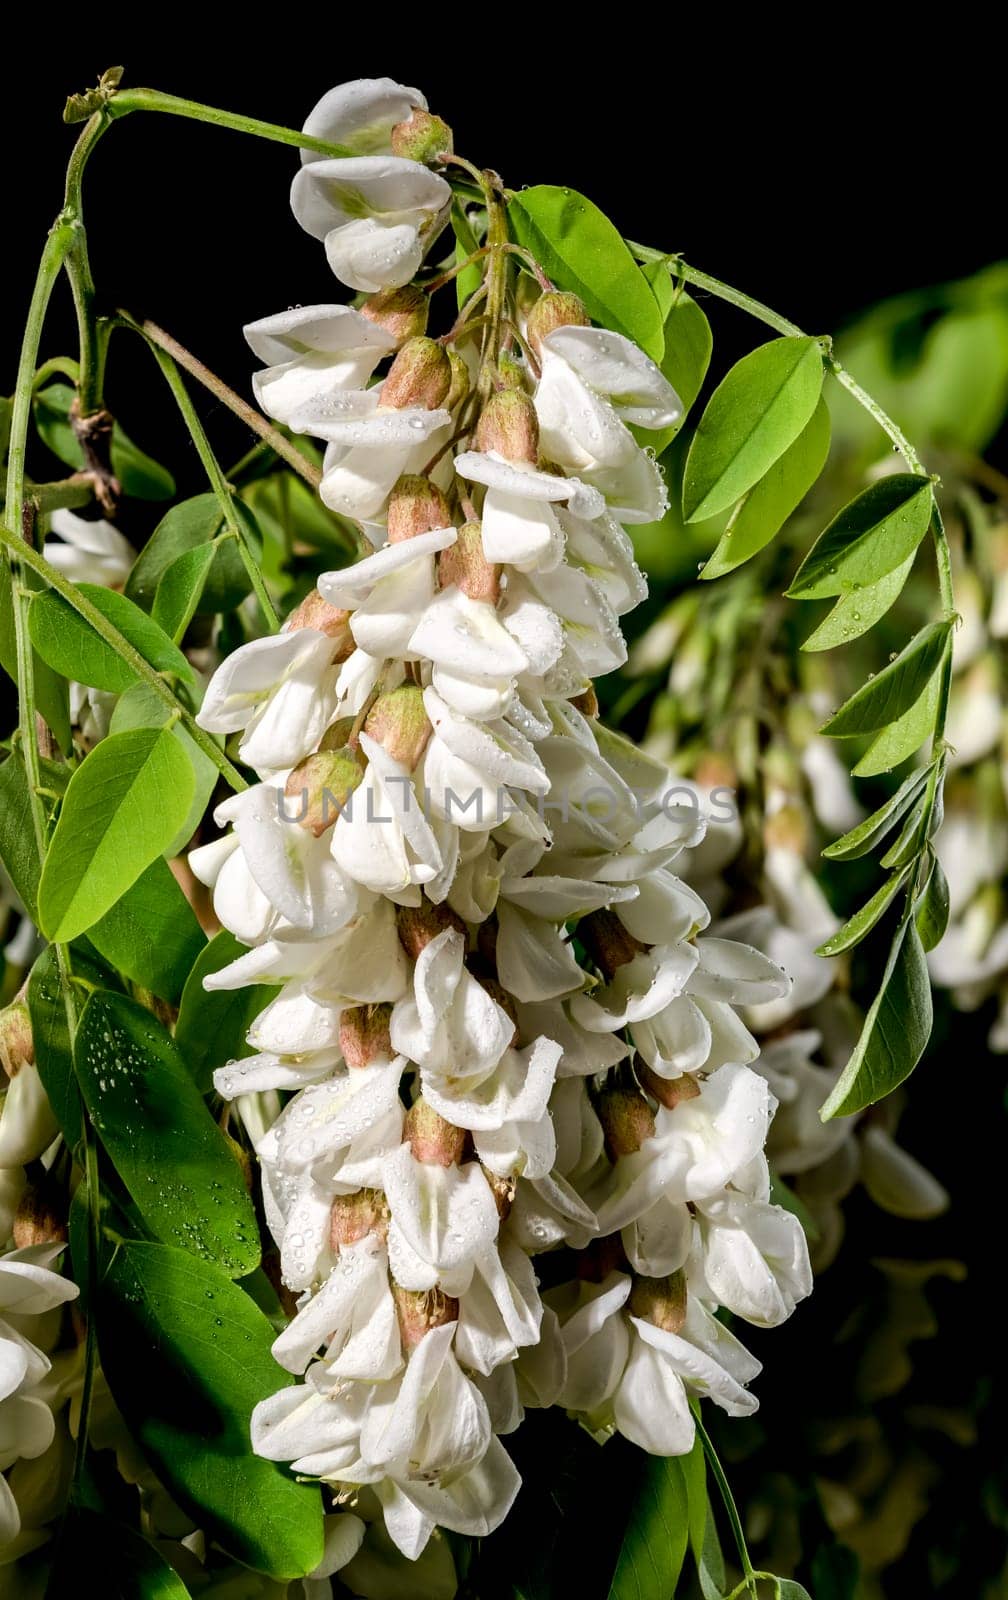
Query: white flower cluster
x=503, y=1028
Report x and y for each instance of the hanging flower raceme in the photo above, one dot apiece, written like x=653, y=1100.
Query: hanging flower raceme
x=503, y=1025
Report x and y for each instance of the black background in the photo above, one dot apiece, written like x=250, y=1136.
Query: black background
x=817, y=183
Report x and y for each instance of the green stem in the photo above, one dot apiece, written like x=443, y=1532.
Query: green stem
x=213, y=470
x=65, y=493
x=78, y=266
x=496, y=281
x=126, y=100
x=735, y=1521
x=122, y=647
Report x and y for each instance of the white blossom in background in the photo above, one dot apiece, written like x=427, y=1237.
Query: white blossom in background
x=504, y=1023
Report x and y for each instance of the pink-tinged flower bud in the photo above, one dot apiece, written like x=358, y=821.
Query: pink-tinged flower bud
x=402, y=313
x=460, y=384
x=354, y=1217
x=420, y=375
x=364, y=1035
x=398, y=722
x=415, y=506
x=607, y=942
x=420, y=1310
x=509, y=426
x=586, y=702
x=601, y=1257
x=41, y=1216
x=17, y=1047
x=314, y=612
x=318, y=789
x=433, y=1140
x=422, y=137
x=465, y=565
x=510, y=372
x=661, y=1301
x=503, y=1191
x=418, y=925
x=669, y=1092
x=554, y=309
x=627, y=1121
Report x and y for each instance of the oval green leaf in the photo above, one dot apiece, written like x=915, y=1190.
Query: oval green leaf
x=895, y=1032
x=180, y=590
x=902, y=738
x=764, y=510
x=140, y=707
x=186, y=526
x=862, y=922
x=72, y=647
x=932, y=911
x=859, y=610
x=656, y=1535
x=99, y=1555
x=756, y=412
x=871, y=536
x=886, y=697
x=863, y=838
x=163, y=1142
x=688, y=346
x=51, y=695
x=187, y=1356
x=212, y=1025
x=123, y=805
x=580, y=249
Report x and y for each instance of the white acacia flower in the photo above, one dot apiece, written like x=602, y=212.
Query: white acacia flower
x=88, y=552
x=520, y=525
x=368, y=447
x=389, y=591
x=381, y=838
x=443, y=1218
x=313, y=353
x=281, y=690
x=755, y=1258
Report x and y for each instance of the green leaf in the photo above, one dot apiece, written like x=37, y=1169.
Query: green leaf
x=710, y=1561
x=932, y=910
x=688, y=345
x=656, y=1535
x=187, y=525
x=862, y=922
x=99, y=1555
x=764, y=510
x=140, y=707
x=892, y=692
x=163, y=1142
x=51, y=698
x=754, y=414
x=187, y=1356
x=212, y=1025
x=875, y=533
x=910, y=840
x=895, y=1032
x=123, y=805
x=70, y=645
x=466, y=242
x=859, y=610
x=578, y=247
x=789, y=1589
x=140, y=477
x=180, y=590
x=53, y=1049
x=898, y=742
x=863, y=838
x=150, y=935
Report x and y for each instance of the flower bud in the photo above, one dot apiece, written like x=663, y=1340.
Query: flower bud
x=356, y=1216
x=398, y=722
x=314, y=612
x=460, y=384
x=364, y=1034
x=607, y=942
x=661, y=1301
x=41, y=1216
x=422, y=137
x=601, y=1257
x=465, y=565
x=416, y=506
x=627, y=1121
x=433, y=1140
x=319, y=788
x=402, y=313
x=420, y=1310
x=669, y=1092
x=418, y=925
x=17, y=1047
x=420, y=375
x=554, y=309
x=509, y=426
x=510, y=372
